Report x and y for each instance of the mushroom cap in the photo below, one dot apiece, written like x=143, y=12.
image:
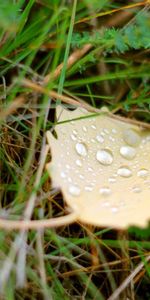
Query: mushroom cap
x=102, y=166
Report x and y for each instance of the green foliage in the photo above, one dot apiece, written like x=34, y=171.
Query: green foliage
x=140, y=233
x=9, y=15
x=134, y=36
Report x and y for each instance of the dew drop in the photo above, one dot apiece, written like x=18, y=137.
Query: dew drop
x=90, y=169
x=81, y=176
x=102, y=133
x=136, y=189
x=62, y=174
x=100, y=138
x=92, y=140
x=127, y=152
x=74, y=190
x=131, y=137
x=124, y=172
x=68, y=167
x=114, y=131
x=111, y=139
x=78, y=163
x=114, y=209
x=142, y=173
x=69, y=179
x=106, y=130
x=105, y=191
x=81, y=149
x=104, y=156
x=88, y=188
x=84, y=128
x=93, y=126
x=75, y=132
x=111, y=179
x=105, y=204
x=73, y=137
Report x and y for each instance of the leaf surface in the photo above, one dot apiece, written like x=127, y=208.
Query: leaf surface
x=102, y=167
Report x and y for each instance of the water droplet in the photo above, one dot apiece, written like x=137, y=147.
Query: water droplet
x=81, y=176
x=114, y=131
x=78, y=163
x=127, y=152
x=92, y=140
x=142, y=173
x=136, y=189
x=88, y=188
x=90, y=169
x=106, y=130
x=105, y=204
x=102, y=133
x=131, y=137
x=105, y=191
x=73, y=137
x=104, y=156
x=62, y=174
x=111, y=179
x=69, y=179
x=124, y=171
x=84, y=128
x=75, y=132
x=74, y=190
x=114, y=209
x=93, y=126
x=68, y=167
x=81, y=149
x=111, y=139
x=100, y=138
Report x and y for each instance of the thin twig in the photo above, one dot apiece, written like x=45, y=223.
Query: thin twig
x=69, y=100
x=15, y=104
x=127, y=281
x=39, y=224
x=75, y=56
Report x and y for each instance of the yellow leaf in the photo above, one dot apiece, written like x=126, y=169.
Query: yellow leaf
x=102, y=167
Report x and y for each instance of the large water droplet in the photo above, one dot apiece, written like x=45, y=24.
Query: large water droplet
x=81, y=149
x=105, y=191
x=127, y=152
x=74, y=190
x=104, y=156
x=124, y=172
x=100, y=138
x=131, y=137
x=142, y=173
